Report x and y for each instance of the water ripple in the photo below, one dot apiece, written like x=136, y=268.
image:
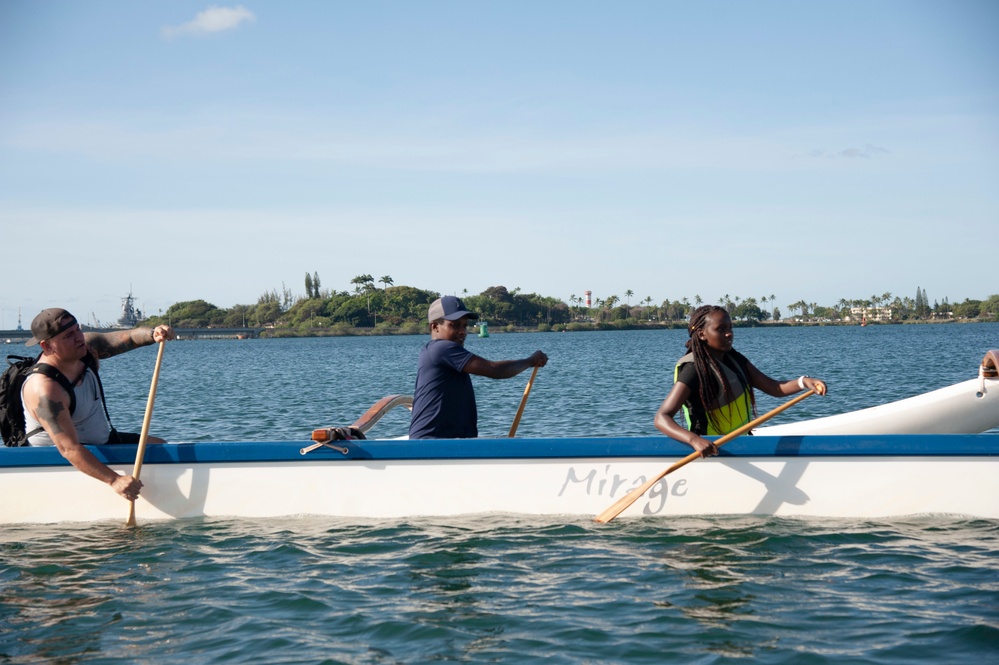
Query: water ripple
x=504, y=588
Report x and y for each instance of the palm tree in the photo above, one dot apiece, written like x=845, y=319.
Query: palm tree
x=361, y=281
x=628, y=294
x=886, y=298
x=387, y=281
x=698, y=301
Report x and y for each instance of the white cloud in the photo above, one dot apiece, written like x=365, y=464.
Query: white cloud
x=866, y=152
x=213, y=19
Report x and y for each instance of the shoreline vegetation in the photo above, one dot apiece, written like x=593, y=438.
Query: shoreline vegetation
x=421, y=329
x=401, y=310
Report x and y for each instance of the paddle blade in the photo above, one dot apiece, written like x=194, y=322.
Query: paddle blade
x=634, y=495
x=625, y=501
x=131, y=514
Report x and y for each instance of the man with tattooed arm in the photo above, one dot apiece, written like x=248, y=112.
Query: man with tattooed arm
x=47, y=404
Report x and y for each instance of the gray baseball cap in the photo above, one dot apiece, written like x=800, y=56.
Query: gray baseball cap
x=450, y=308
x=49, y=323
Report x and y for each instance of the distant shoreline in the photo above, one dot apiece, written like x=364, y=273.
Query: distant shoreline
x=15, y=337
x=385, y=331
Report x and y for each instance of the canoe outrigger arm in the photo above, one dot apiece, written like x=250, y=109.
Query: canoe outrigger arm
x=324, y=435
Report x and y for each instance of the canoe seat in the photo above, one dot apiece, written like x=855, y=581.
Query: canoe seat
x=360, y=426
x=990, y=364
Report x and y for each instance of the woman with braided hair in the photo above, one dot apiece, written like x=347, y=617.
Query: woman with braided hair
x=714, y=383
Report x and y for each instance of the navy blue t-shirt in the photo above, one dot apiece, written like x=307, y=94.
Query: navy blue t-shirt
x=443, y=400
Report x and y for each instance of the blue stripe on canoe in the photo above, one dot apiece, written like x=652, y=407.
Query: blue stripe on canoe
x=898, y=445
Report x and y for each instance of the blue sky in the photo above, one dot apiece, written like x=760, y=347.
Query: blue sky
x=812, y=151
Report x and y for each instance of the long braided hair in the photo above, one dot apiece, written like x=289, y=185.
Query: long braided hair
x=709, y=370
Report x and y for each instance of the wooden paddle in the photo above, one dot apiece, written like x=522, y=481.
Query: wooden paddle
x=523, y=402
x=631, y=497
x=141, y=451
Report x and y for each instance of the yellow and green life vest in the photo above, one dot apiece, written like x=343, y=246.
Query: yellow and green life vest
x=729, y=415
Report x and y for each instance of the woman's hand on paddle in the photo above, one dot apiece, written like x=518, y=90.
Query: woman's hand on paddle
x=703, y=446
x=818, y=385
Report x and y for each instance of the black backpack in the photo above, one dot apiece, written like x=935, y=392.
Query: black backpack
x=12, y=410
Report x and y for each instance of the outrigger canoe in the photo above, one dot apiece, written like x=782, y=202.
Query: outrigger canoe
x=825, y=475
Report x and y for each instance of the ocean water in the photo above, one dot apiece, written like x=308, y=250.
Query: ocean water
x=506, y=588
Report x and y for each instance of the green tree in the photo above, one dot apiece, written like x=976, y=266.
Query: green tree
x=237, y=316
x=401, y=304
x=267, y=313
x=362, y=282
x=308, y=286
x=194, y=314
x=990, y=308
x=354, y=312
x=748, y=310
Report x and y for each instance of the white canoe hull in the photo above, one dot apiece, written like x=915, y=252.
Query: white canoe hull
x=969, y=407
x=792, y=476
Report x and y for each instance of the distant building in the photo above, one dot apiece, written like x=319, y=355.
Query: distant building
x=872, y=313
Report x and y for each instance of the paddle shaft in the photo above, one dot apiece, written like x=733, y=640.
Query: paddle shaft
x=144, y=435
x=523, y=403
x=631, y=497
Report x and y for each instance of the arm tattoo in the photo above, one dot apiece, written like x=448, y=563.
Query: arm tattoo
x=105, y=345
x=48, y=414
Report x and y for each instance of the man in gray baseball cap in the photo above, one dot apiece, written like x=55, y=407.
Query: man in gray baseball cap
x=444, y=400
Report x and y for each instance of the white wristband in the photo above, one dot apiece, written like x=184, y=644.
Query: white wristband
x=801, y=381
